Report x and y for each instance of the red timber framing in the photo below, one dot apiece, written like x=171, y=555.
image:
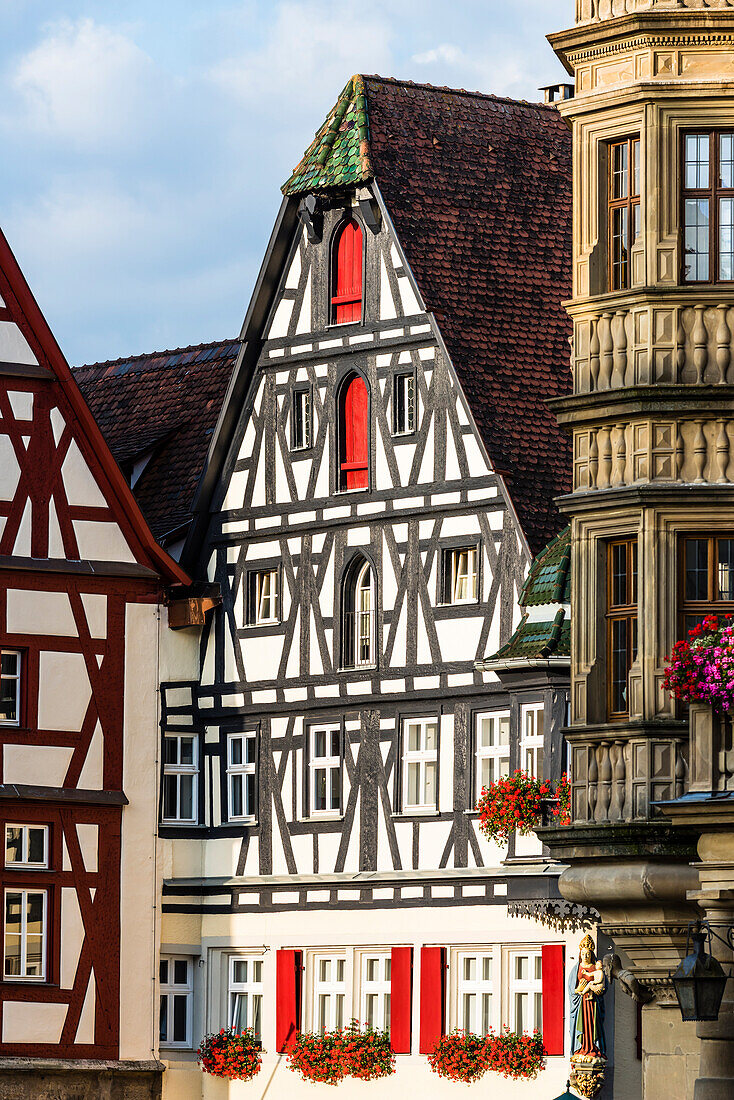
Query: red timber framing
x=73, y=785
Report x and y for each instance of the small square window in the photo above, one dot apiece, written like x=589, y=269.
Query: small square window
x=301, y=424
x=420, y=764
x=26, y=846
x=25, y=932
x=263, y=597
x=325, y=770
x=180, y=779
x=10, y=683
x=403, y=403
x=177, y=992
x=241, y=768
x=460, y=575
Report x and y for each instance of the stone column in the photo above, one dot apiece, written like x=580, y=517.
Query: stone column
x=716, y=899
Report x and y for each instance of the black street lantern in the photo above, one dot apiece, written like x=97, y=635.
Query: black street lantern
x=699, y=982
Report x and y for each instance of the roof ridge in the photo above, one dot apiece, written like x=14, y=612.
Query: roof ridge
x=459, y=91
x=154, y=354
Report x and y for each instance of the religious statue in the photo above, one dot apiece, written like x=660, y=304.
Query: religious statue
x=588, y=985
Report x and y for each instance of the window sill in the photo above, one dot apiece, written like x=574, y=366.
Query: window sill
x=321, y=817
x=263, y=622
x=415, y=812
x=357, y=668
x=240, y=821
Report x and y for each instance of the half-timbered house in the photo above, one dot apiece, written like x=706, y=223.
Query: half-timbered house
x=381, y=475
x=81, y=587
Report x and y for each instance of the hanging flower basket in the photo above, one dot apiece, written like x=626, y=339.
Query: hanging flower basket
x=464, y=1057
x=701, y=668
x=520, y=1057
x=347, y=1052
x=460, y=1056
x=515, y=803
x=236, y=1055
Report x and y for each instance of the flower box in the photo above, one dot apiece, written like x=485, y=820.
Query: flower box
x=236, y=1055
x=516, y=803
x=464, y=1057
x=352, y=1051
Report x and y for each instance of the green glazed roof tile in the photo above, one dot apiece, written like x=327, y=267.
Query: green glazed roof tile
x=549, y=580
x=339, y=155
x=538, y=640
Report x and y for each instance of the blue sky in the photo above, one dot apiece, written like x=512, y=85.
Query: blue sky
x=145, y=142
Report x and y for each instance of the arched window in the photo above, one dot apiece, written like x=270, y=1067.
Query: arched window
x=346, y=286
x=358, y=632
x=354, y=436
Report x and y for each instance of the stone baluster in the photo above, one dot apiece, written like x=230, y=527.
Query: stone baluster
x=619, y=355
x=607, y=352
x=725, y=759
x=700, y=345
x=616, y=806
x=680, y=453
x=601, y=812
x=594, y=354
x=680, y=354
x=723, y=345
x=722, y=452
x=605, y=458
x=699, y=452
x=593, y=460
x=593, y=782
x=681, y=771
x=620, y=457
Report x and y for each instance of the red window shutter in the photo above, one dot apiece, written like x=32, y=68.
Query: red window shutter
x=288, y=969
x=347, y=296
x=554, y=998
x=401, y=999
x=356, y=435
x=433, y=988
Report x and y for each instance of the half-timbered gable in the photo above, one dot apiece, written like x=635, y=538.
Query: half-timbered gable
x=81, y=583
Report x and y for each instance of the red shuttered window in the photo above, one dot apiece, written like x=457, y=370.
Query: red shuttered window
x=554, y=997
x=401, y=999
x=288, y=970
x=354, y=432
x=433, y=996
x=346, y=299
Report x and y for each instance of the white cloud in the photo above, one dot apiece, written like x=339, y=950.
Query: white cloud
x=452, y=55
x=86, y=84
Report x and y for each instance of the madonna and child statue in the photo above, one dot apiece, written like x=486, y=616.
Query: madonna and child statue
x=587, y=987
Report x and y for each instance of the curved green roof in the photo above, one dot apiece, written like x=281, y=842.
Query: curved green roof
x=339, y=155
x=549, y=580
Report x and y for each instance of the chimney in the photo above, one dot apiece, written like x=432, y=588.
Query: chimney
x=557, y=92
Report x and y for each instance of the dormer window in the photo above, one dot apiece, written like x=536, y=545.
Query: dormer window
x=346, y=292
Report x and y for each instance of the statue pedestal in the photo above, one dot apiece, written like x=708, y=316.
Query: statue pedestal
x=587, y=1074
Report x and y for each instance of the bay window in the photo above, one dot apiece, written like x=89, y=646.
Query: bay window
x=624, y=209
x=708, y=207
x=706, y=586
x=621, y=623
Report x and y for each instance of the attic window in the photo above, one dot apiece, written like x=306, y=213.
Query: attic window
x=346, y=299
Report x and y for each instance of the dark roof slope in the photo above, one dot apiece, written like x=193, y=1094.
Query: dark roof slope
x=164, y=406
x=479, y=190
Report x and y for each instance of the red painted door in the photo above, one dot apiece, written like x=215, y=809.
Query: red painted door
x=346, y=302
x=355, y=460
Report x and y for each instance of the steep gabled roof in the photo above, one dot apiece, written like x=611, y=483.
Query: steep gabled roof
x=159, y=411
x=30, y=346
x=479, y=191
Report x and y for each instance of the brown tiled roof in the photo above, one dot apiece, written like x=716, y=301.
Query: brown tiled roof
x=479, y=190
x=168, y=404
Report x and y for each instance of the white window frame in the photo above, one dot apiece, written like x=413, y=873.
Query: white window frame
x=380, y=988
x=328, y=763
x=239, y=773
x=180, y=770
x=477, y=988
x=420, y=758
x=531, y=986
x=250, y=989
x=17, y=679
x=171, y=989
x=498, y=753
x=531, y=742
x=405, y=380
x=301, y=418
x=24, y=893
x=331, y=988
x=358, y=618
x=454, y=575
x=264, y=610
x=25, y=863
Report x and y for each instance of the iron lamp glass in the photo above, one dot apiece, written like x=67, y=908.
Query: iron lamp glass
x=699, y=983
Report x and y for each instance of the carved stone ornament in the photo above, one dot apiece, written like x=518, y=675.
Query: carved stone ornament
x=561, y=916
x=587, y=988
